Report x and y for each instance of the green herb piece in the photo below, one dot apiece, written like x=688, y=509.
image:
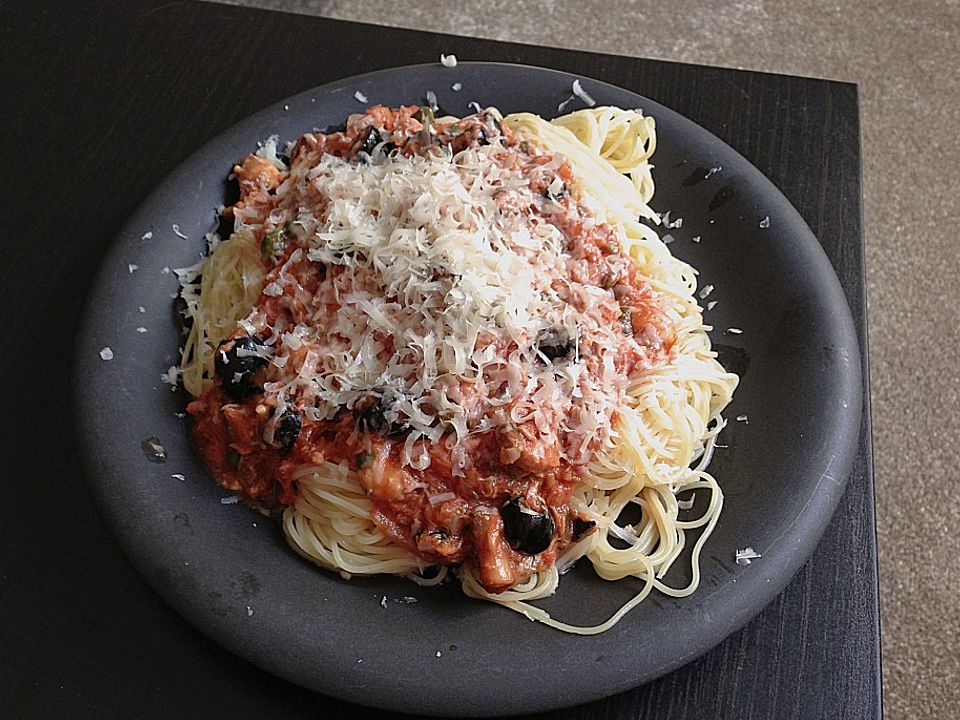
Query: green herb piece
x=274, y=242
x=363, y=459
x=425, y=115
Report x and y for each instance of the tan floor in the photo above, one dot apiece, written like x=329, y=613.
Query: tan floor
x=905, y=57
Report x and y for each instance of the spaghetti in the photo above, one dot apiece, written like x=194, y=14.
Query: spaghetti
x=442, y=344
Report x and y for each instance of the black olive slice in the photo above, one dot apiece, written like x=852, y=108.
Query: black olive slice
x=373, y=138
x=582, y=527
x=555, y=345
x=526, y=530
x=377, y=412
x=235, y=363
x=286, y=430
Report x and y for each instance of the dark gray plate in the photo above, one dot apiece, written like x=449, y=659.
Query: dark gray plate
x=228, y=570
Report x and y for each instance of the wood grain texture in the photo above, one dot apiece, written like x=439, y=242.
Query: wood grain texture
x=100, y=103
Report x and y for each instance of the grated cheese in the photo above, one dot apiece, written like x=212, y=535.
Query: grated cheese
x=170, y=376
x=449, y=61
x=583, y=94
x=273, y=289
x=439, y=264
x=667, y=223
x=267, y=150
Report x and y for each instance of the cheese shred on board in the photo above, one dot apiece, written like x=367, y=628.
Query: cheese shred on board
x=448, y=347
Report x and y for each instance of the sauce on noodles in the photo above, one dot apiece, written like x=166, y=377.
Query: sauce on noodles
x=541, y=405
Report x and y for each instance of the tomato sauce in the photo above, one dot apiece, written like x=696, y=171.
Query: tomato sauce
x=449, y=512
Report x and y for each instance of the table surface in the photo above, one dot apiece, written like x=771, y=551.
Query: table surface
x=99, y=103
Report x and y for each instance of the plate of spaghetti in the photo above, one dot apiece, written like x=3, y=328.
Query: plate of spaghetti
x=427, y=346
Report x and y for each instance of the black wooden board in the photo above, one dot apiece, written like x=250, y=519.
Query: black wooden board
x=98, y=104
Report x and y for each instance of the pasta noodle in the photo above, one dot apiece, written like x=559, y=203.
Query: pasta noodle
x=660, y=442
x=673, y=413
